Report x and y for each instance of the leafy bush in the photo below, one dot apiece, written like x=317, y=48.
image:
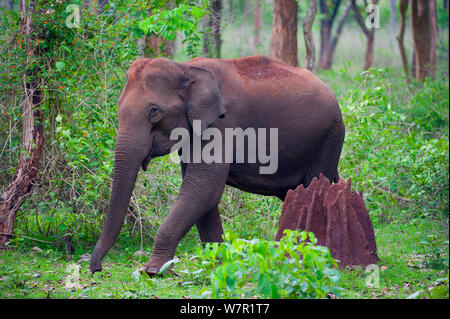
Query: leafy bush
x=294, y=267
x=387, y=152
x=436, y=248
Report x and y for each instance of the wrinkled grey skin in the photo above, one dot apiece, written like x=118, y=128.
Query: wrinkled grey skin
x=252, y=92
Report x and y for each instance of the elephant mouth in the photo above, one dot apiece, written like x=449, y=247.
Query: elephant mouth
x=145, y=162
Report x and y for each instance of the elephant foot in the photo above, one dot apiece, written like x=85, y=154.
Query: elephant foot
x=153, y=267
x=95, y=267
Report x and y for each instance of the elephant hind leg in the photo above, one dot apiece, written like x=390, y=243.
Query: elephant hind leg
x=209, y=226
x=281, y=196
x=327, y=159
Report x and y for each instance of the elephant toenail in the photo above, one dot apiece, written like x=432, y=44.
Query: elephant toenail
x=152, y=271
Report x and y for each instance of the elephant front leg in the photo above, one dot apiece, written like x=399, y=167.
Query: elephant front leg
x=209, y=226
x=196, y=204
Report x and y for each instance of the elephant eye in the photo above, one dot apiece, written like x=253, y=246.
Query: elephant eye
x=153, y=111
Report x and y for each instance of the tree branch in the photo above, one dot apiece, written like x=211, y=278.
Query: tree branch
x=359, y=18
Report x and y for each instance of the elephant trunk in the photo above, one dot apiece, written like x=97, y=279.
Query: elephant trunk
x=126, y=168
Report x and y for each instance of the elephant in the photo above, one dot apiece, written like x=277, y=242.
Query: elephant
x=256, y=92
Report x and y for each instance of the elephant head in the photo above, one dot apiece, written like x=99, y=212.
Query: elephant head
x=159, y=95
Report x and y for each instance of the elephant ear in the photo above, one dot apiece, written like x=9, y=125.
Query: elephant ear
x=200, y=92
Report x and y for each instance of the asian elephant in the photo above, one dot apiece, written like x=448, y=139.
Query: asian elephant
x=251, y=92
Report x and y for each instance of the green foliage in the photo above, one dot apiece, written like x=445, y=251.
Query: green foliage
x=82, y=71
x=428, y=108
x=388, y=153
x=441, y=291
x=435, y=247
x=168, y=22
x=294, y=267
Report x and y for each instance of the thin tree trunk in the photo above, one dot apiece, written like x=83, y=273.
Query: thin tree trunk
x=284, y=31
x=434, y=34
x=29, y=160
x=421, y=31
x=257, y=23
x=393, y=20
x=325, y=33
x=368, y=60
x=310, y=50
x=325, y=55
x=400, y=37
x=229, y=11
x=206, y=42
x=215, y=28
x=369, y=33
x=334, y=40
x=245, y=10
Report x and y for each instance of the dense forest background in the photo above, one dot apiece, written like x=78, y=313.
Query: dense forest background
x=395, y=151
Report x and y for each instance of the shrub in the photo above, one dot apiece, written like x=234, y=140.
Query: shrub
x=294, y=267
x=388, y=154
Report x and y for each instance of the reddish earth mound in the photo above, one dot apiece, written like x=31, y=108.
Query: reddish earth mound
x=336, y=215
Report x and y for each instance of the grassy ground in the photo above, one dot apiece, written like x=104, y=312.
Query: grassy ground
x=406, y=266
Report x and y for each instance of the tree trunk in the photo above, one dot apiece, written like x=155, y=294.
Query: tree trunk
x=393, y=21
x=28, y=167
x=257, y=24
x=215, y=28
x=326, y=54
x=325, y=33
x=310, y=50
x=434, y=34
x=211, y=46
x=369, y=33
x=229, y=11
x=421, y=31
x=400, y=37
x=284, y=31
x=368, y=60
x=245, y=10
x=206, y=42
x=334, y=40
x=156, y=46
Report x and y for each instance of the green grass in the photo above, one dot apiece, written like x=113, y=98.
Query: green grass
x=405, y=267
x=404, y=262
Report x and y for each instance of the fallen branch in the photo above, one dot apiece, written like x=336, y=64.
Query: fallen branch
x=392, y=193
x=31, y=238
